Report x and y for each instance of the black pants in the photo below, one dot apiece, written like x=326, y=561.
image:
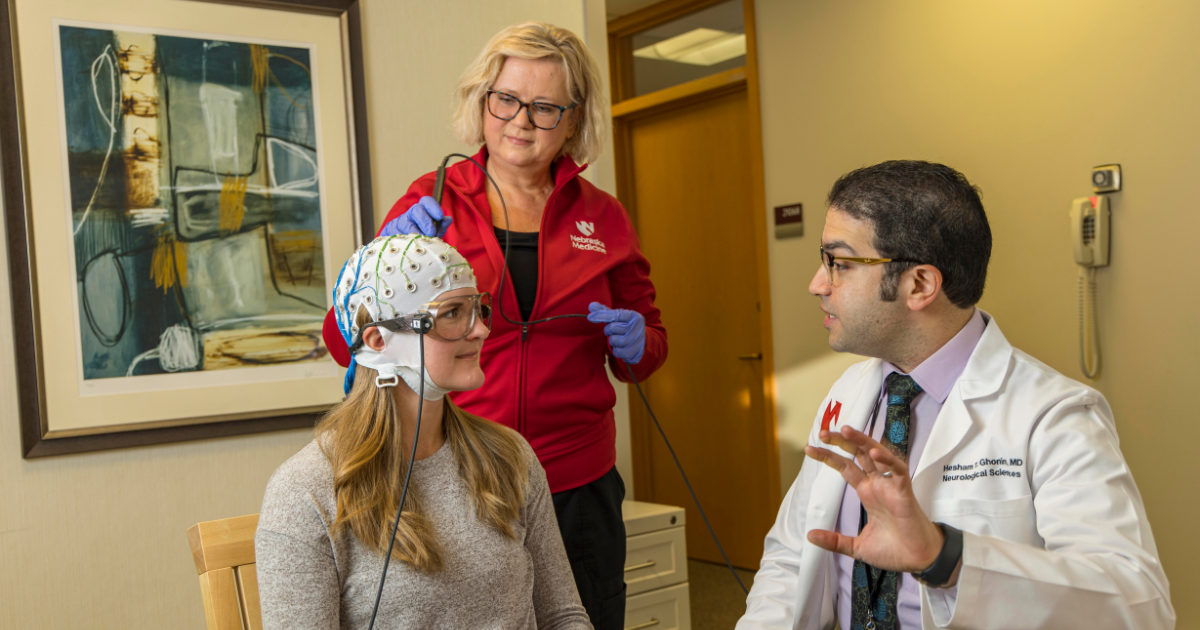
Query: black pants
x=593, y=532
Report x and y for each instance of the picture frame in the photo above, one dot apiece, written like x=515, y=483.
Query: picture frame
x=272, y=218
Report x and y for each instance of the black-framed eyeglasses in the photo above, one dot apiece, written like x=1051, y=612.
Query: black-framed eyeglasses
x=829, y=261
x=541, y=115
x=453, y=318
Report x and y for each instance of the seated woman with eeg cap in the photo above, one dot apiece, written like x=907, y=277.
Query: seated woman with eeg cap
x=478, y=544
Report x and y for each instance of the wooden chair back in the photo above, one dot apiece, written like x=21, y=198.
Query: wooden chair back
x=224, y=555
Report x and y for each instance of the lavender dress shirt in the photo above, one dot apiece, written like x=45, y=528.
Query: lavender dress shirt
x=936, y=376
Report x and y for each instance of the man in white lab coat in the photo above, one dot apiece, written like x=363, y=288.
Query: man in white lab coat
x=952, y=481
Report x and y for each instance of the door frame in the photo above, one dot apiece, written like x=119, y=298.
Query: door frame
x=626, y=109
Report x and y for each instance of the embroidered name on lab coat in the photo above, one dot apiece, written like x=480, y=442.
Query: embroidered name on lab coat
x=985, y=467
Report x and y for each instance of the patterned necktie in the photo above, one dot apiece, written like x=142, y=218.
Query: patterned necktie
x=874, y=592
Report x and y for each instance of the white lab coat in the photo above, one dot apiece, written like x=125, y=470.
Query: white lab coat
x=1065, y=544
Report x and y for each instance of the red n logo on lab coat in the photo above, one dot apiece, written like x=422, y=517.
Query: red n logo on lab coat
x=832, y=412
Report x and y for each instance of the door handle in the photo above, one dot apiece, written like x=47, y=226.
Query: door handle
x=757, y=356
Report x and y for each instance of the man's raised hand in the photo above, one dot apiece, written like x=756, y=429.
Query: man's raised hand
x=898, y=536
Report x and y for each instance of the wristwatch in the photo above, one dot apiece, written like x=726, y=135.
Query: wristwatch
x=938, y=574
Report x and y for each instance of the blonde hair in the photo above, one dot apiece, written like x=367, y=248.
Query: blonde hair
x=536, y=40
x=361, y=439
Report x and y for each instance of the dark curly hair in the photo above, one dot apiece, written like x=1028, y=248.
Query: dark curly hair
x=921, y=211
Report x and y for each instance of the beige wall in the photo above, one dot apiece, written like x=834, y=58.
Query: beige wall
x=1023, y=97
x=97, y=540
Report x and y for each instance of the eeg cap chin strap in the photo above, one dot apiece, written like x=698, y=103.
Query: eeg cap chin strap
x=391, y=368
x=390, y=277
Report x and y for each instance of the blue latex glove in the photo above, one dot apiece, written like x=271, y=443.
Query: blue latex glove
x=626, y=330
x=419, y=220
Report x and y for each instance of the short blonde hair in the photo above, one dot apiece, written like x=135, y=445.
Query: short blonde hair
x=536, y=40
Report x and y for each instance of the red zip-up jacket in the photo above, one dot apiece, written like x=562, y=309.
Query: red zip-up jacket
x=547, y=381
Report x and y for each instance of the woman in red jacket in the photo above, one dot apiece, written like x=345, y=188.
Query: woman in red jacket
x=533, y=98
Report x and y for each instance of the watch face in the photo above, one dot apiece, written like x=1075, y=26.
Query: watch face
x=943, y=568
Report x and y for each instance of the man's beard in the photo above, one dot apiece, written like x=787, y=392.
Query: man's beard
x=874, y=335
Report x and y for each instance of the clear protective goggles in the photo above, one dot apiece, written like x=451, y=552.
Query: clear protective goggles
x=453, y=318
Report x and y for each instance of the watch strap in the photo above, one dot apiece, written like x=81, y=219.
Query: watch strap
x=939, y=573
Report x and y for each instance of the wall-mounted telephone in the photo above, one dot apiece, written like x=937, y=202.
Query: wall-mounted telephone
x=1089, y=242
x=1089, y=231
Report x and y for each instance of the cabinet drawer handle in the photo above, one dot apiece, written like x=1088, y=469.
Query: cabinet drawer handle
x=649, y=624
x=635, y=567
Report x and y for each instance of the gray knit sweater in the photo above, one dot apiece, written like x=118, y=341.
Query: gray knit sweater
x=310, y=578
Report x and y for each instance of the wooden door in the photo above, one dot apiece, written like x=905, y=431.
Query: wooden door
x=688, y=178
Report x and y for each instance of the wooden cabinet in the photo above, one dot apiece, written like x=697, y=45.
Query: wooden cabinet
x=655, y=568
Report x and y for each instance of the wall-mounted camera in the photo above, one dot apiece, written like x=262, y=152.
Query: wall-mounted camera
x=1106, y=179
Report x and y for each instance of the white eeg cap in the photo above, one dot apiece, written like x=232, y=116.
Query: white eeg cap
x=390, y=277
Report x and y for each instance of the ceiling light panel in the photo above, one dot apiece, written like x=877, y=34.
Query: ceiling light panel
x=697, y=47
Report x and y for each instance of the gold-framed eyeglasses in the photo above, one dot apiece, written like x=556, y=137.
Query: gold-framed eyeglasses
x=541, y=115
x=830, y=262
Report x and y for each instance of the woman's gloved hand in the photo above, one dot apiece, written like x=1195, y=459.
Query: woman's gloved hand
x=419, y=220
x=626, y=330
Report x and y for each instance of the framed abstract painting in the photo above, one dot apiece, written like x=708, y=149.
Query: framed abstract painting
x=181, y=179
